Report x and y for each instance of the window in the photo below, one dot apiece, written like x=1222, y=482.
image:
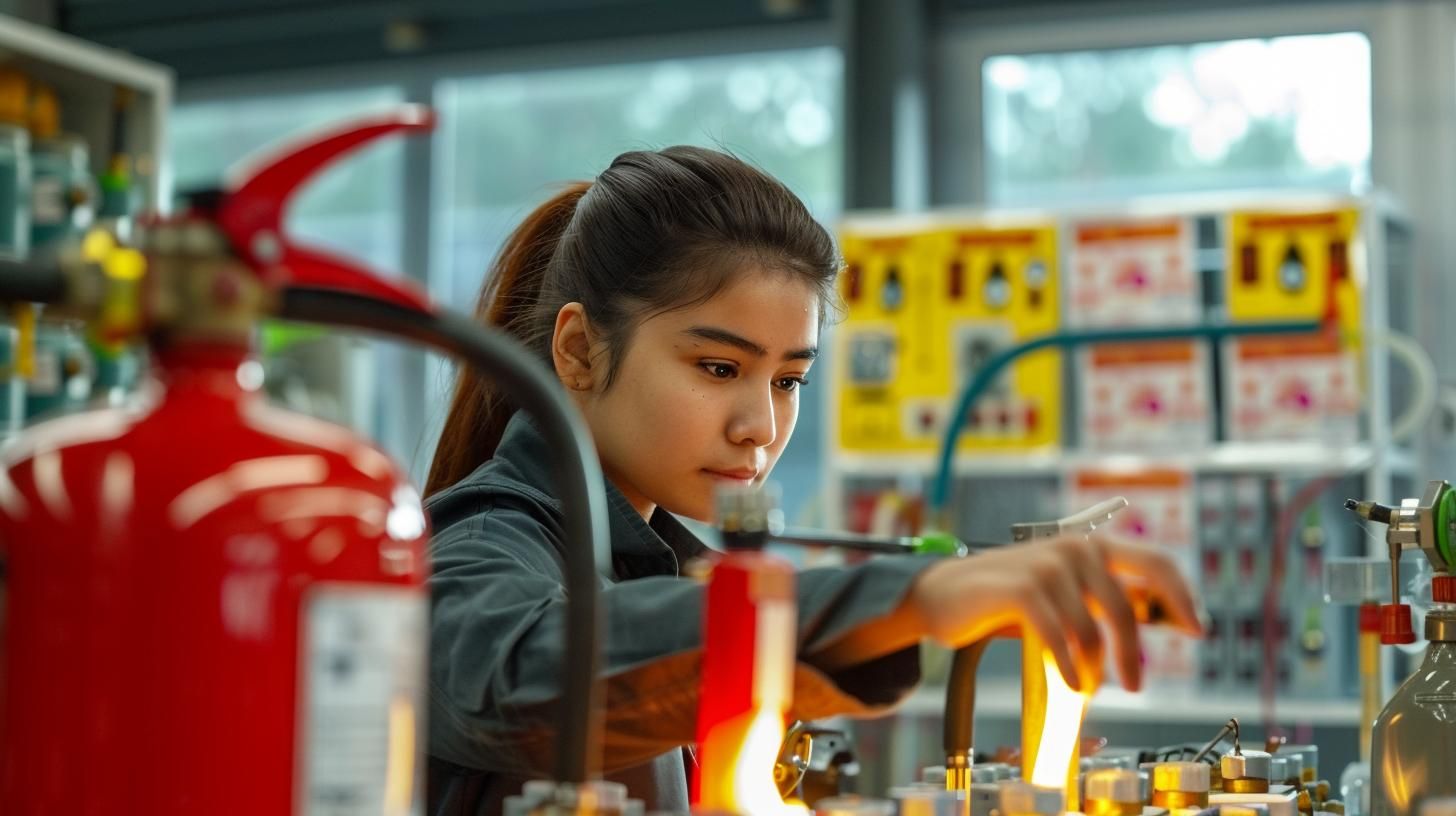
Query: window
x=1282, y=112
x=508, y=139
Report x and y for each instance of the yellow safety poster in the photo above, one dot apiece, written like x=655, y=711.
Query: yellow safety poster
x=925, y=309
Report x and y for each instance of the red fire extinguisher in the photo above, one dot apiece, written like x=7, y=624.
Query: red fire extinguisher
x=212, y=606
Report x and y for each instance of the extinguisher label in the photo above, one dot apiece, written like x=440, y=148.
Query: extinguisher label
x=362, y=717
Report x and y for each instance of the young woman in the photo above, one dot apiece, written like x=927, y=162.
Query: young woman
x=680, y=299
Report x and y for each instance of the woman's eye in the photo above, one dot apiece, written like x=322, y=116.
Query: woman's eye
x=792, y=383
x=720, y=370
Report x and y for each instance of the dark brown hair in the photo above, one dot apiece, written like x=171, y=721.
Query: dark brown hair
x=657, y=230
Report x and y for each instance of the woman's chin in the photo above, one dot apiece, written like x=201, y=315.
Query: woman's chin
x=699, y=508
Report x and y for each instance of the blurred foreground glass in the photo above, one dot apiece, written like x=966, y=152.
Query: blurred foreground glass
x=355, y=208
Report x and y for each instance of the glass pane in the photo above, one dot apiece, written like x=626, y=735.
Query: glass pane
x=509, y=140
x=1281, y=112
x=353, y=207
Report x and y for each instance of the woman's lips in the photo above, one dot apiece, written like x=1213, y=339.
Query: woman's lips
x=737, y=475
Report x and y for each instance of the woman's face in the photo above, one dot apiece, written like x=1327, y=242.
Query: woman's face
x=707, y=395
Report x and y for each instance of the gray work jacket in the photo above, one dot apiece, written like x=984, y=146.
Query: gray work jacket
x=497, y=626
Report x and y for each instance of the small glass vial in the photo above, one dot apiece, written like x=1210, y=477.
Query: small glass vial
x=1181, y=785
x=1355, y=789
x=1026, y=799
x=1278, y=769
x=1113, y=792
x=1246, y=772
x=1309, y=756
x=1293, y=770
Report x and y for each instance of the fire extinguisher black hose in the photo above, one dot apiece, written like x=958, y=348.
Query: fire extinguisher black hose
x=22, y=282
x=576, y=469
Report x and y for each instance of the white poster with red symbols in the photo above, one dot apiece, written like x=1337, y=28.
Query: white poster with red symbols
x=1145, y=396
x=1296, y=387
x=1132, y=273
x=1161, y=512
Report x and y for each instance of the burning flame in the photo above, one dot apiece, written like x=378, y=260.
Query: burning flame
x=753, y=786
x=745, y=784
x=1061, y=726
x=739, y=753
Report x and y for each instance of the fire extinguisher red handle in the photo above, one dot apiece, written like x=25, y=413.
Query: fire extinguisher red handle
x=252, y=210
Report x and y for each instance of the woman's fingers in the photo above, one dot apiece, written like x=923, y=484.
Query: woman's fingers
x=1160, y=578
x=1041, y=615
x=1117, y=612
x=1068, y=596
x=1058, y=589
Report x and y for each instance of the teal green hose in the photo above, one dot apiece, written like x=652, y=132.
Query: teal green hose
x=940, y=489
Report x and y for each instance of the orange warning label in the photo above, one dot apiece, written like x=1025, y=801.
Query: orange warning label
x=1153, y=477
x=1114, y=354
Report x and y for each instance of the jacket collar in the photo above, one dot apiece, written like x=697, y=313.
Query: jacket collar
x=639, y=548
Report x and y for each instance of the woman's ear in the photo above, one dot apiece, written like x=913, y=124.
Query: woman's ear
x=571, y=343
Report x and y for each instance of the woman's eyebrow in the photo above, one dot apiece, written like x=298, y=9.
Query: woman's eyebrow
x=728, y=338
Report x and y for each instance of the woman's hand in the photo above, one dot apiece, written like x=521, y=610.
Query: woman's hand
x=1057, y=588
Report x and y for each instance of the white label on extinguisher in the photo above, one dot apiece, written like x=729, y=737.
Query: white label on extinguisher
x=362, y=717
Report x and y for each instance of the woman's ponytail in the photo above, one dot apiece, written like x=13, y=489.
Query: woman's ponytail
x=478, y=412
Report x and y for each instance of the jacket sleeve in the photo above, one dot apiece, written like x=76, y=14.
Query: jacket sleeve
x=497, y=641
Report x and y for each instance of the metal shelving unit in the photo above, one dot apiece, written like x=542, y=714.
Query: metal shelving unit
x=1373, y=455
x=1293, y=458
x=86, y=77
x=110, y=100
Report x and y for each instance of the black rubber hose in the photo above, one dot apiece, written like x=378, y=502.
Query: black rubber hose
x=844, y=541
x=960, y=700
x=576, y=469
x=24, y=282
